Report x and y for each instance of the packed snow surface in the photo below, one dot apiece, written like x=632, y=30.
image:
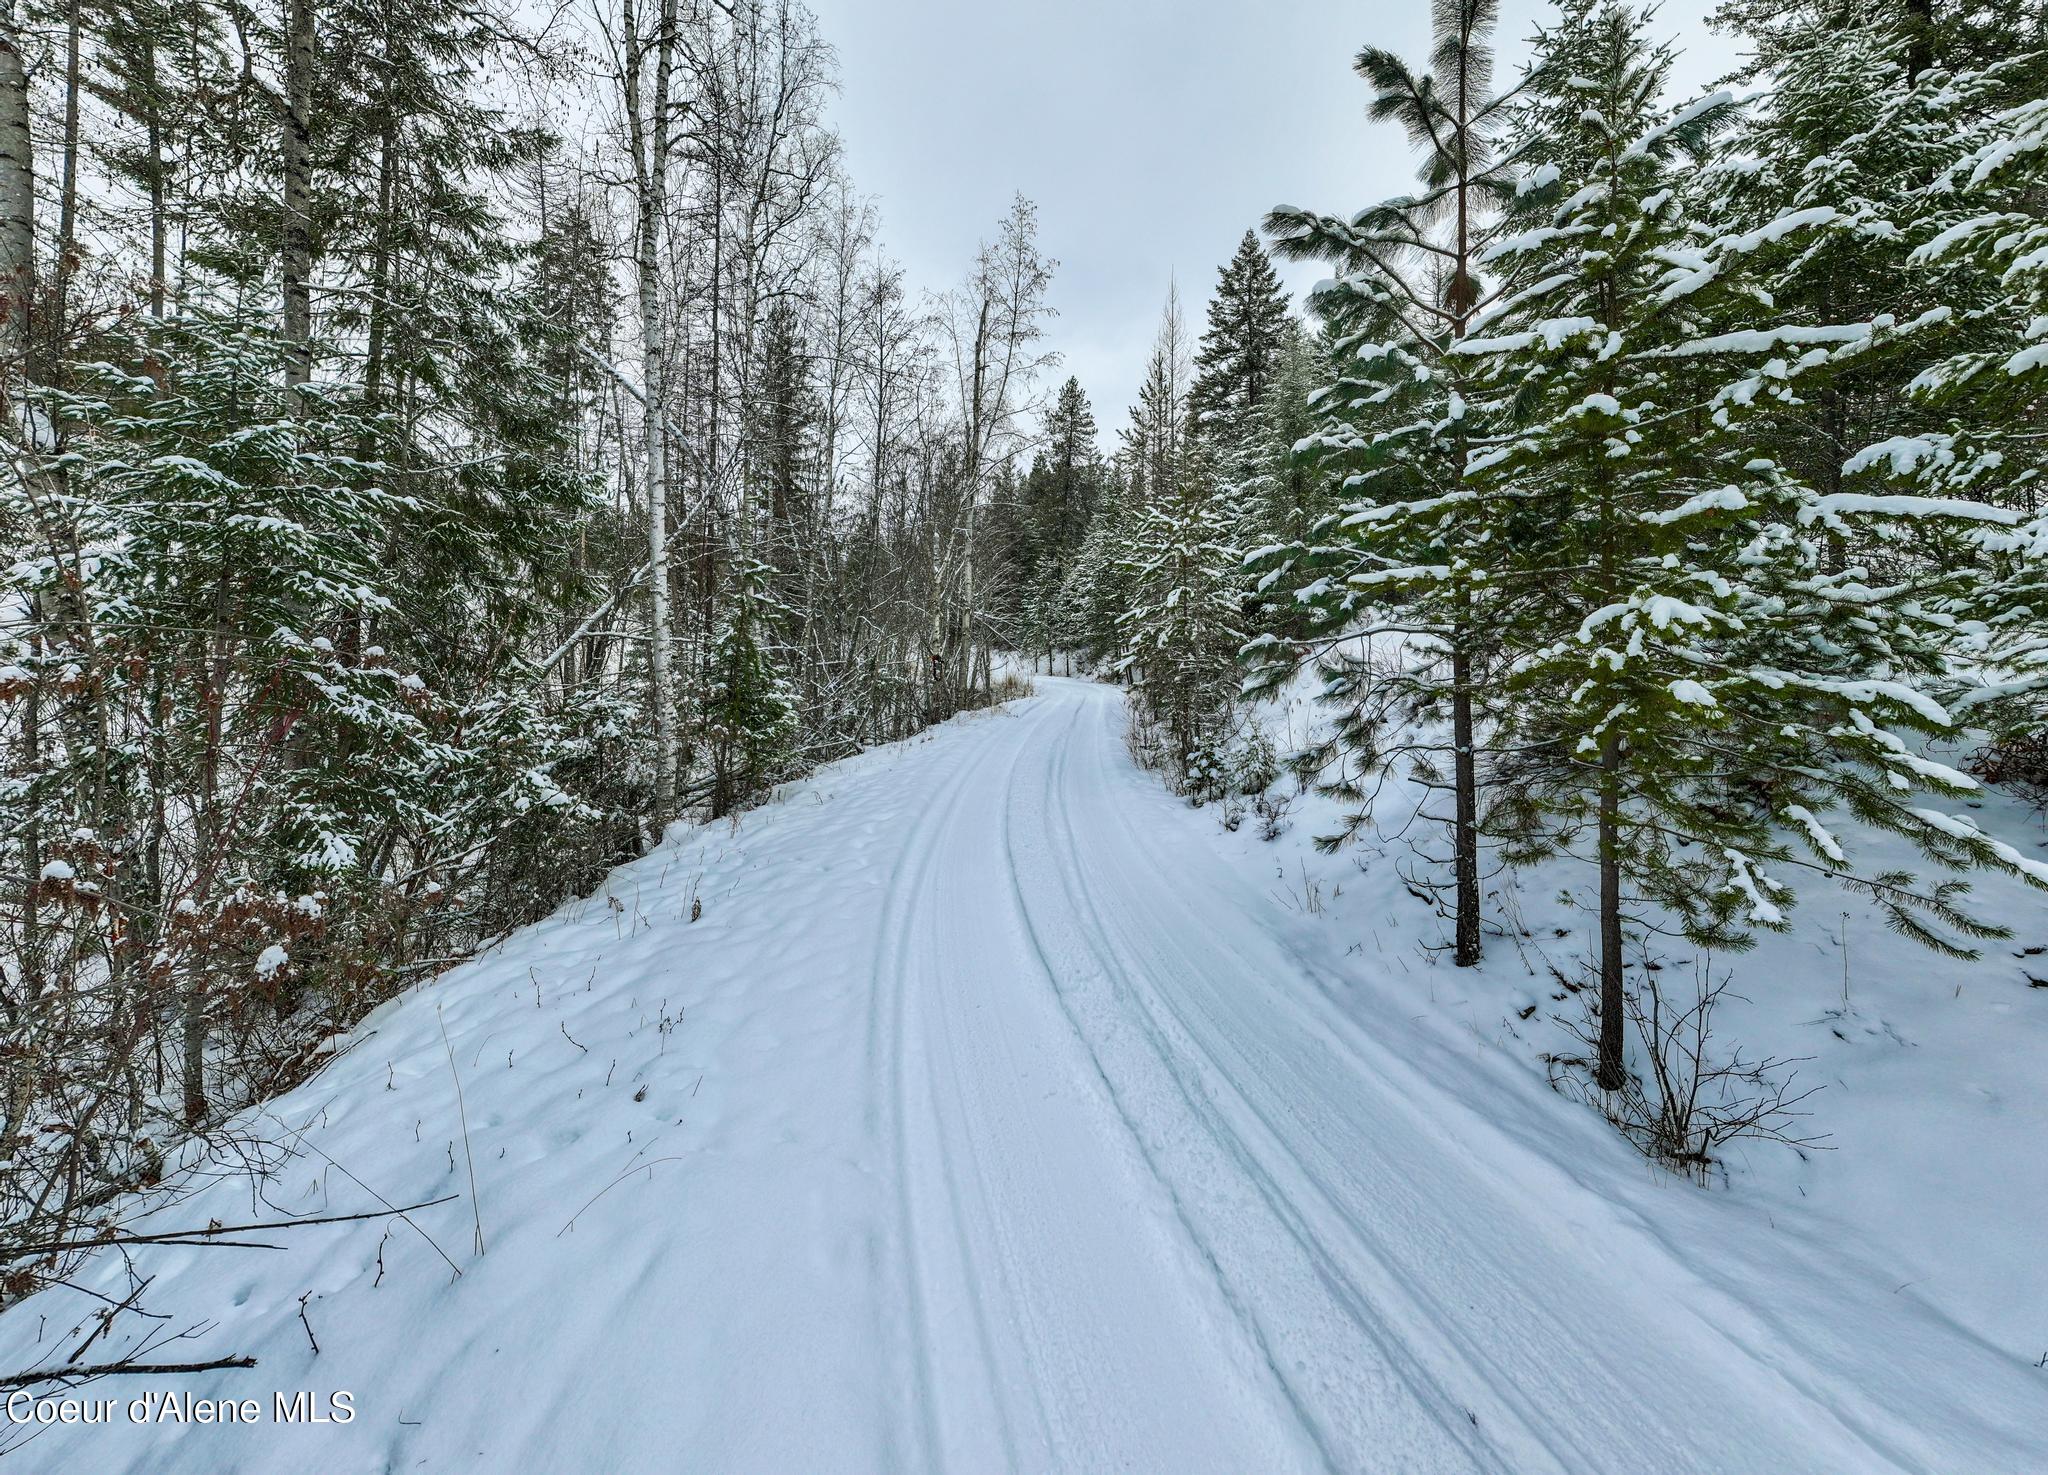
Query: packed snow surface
x=994, y=1117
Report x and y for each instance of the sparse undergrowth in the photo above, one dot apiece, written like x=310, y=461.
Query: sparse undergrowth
x=1685, y=1096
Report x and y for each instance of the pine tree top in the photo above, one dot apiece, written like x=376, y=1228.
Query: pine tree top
x=1248, y=328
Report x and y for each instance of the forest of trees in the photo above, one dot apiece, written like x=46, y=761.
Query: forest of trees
x=415, y=501
x=442, y=451
x=1690, y=456
x=1652, y=485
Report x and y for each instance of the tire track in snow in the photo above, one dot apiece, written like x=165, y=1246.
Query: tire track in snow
x=939, y=990
x=1756, y=1332
x=1438, y=1428
x=1194, y=1240
x=886, y=1109
x=903, y=937
x=1587, y=1423
x=1099, y=1338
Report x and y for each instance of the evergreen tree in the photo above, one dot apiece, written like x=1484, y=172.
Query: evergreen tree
x=1244, y=342
x=749, y=714
x=1696, y=677
x=1409, y=285
x=1285, y=495
x=164, y=73
x=1247, y=405
x=1955, y=35
x=1977, y=458
x=1180, y=632
x=1064, y=500
x=1041, y=528
x=1095, y=590
x=1844, y=140
x=781, y=440
x=231, y=530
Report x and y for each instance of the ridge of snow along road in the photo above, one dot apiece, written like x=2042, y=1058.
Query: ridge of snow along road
x=962, y=1133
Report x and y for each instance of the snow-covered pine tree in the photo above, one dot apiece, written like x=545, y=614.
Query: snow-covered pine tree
x=1977, y=458
x=161, y=67
x=1039, y=630
x=1248, y=407
x=215, y=537
x=1094, y=592
x=1845, y=140
x=1698, y=679
x=1397, y=423
x=1042, y=529
x=780, y=441
x=1180, y=631
x=748, y=710
x=1954, y=35
x=1289, y=493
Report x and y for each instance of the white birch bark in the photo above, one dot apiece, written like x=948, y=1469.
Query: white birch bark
x=297, y=253
x=648, y=126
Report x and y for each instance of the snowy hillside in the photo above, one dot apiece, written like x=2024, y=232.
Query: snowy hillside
x=978, y=1105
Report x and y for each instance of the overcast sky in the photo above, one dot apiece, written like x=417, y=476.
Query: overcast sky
x=1150, y=132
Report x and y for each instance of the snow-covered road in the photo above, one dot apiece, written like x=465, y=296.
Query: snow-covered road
x=992, y=1118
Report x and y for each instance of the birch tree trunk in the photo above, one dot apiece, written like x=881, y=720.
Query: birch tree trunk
x=297, y=253
x=649, y=137
x=67, y=193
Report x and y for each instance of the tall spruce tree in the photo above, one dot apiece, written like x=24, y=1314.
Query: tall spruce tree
x=1976, y=456
x=1244, y=342
x=1065, y=501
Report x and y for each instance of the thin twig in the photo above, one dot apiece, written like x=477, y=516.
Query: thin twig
x=108, y=1369
x=210, y=1234
x=462, y=1112
x=402, y=1213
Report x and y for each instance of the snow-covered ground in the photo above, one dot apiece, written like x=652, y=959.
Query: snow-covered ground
x=1930, y=1069
x=1001, y=1112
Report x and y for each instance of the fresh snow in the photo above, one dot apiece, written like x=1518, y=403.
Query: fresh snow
x=1000, y=1112
x=1699, y=107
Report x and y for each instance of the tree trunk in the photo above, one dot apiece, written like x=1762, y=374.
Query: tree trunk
x=1610, y=1073
x=67, y=190
x=158, y=228
x=17, y=193
x=297, y=254
x=1464, y=758
x=1465, y=829
x=1919, y=38
x=212, y=837
x=17, y=280
x=380, y=266
x=650, y=141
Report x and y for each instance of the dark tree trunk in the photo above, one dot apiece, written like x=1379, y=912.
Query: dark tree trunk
x=1465, y=830
x=17, y=194
x=1919, y=38
x=1610, y=1072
